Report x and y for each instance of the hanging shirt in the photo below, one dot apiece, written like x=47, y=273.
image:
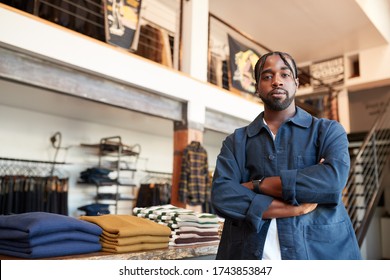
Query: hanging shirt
x=194, y=178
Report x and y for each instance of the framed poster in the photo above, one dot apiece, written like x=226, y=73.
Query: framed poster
x=121, y=21
x=242, y=61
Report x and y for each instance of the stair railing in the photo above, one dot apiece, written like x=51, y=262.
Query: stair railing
x=364, y=186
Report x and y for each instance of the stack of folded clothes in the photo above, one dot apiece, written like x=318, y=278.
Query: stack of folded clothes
x=127, y=233
x=188, y=227
x=95, y=209
x=45, y=235
x=195, y=228
x=161, y=214
x=96, y=175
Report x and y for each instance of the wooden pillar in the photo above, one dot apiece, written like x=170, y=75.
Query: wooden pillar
x=183, y=135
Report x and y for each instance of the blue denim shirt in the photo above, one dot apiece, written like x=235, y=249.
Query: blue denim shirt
x=300, y=143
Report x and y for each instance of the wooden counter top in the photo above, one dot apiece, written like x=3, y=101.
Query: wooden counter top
x=171, y=253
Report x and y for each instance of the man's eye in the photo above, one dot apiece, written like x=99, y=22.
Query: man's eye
x=267, y=77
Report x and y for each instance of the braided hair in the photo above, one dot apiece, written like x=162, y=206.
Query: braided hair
x=260, y=64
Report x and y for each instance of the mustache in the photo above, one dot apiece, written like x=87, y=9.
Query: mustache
x=278, y=91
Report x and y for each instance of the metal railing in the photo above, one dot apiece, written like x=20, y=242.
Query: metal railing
x=90, y=18
x=364, y=186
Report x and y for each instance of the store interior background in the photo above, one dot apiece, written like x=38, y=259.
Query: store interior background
x=309, y=30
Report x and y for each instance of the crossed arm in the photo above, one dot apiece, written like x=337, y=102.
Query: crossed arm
x=272, y=186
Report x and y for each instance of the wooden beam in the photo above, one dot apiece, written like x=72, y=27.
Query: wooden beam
x=49, y=75
x=221, y=122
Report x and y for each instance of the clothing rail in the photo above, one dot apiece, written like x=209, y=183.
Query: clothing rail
x=157, y=177
x=27, y=167
x=30, y=160
x=32, y=185
x=21, y=194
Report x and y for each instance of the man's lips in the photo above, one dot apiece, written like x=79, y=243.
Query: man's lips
x=278, y=92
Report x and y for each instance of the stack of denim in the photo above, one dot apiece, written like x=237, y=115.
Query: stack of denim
x=44, y=235
x=95, y=209
x=96, y=175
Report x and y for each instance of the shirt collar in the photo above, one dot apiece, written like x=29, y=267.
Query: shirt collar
x=301, y=118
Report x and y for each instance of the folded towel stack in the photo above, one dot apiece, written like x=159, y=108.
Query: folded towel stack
x=127, y=233
x=45, y=235
x=188, y=227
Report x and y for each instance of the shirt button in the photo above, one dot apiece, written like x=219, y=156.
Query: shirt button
x=271, y=157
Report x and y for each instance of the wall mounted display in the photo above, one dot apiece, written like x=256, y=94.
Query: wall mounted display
x=329, y=72
x=242, y=62
x=121, y=21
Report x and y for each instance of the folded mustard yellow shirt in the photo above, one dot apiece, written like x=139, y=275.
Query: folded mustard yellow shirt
x=134, y=247
x=115, y=226
x=121, y=241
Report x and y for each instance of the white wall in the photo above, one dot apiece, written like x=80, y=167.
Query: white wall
x=374, y=70
x=25, y=134
x=371, y=248
x=364, y=105
x=378, y=12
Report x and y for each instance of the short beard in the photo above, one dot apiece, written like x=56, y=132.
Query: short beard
x=275, y=104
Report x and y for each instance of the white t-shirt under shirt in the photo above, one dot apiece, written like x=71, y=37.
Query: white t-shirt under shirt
x=272, y=245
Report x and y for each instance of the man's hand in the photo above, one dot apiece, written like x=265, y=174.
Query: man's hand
x=305, y=208
x=280, y=209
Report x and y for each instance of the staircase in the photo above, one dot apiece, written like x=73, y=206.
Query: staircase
x=369, y=156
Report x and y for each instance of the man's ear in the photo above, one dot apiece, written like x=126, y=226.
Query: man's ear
x=297, y=82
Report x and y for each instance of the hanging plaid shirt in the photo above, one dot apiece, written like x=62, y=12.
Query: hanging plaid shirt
x=194, y=179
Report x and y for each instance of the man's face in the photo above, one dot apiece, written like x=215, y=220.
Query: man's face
x=277, y=85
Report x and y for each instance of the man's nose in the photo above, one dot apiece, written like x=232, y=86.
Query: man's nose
x=277, y=81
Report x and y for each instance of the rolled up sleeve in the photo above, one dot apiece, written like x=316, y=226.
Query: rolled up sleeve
x=231, y=199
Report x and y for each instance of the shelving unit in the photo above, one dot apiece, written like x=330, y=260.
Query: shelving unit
x=122, y=160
